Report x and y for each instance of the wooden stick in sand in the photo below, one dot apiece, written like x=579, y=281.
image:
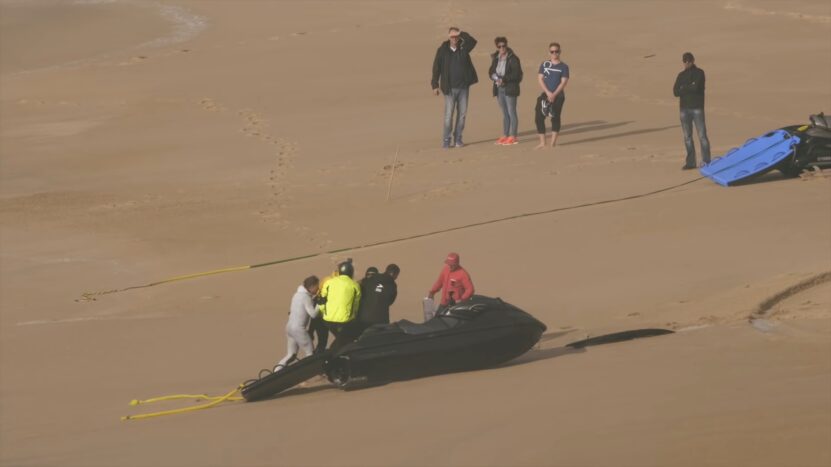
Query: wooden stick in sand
x=392, y=172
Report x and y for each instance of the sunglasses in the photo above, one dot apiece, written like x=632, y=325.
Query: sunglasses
x=555, y=51
x=501, y=46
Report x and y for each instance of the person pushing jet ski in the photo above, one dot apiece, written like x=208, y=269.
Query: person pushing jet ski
x=317, y=327
x=378, y=293
x=341, y=296
x=301, y=312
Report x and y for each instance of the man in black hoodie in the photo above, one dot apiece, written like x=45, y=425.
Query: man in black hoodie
x=378, y=293
x=689, y=88
x=453, y=73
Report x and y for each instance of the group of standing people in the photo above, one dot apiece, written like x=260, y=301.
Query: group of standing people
x=454, y=73
x=345, y=307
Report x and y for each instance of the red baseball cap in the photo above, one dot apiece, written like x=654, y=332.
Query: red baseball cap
x=452, y=259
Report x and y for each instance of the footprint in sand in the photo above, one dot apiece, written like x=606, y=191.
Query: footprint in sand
x=451, y=15
x=208, y=104
x=607, y=89
x=134, y=60
x=385, y=172
x=441, y=192
x=273, y=212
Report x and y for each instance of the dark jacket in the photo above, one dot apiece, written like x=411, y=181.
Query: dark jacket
x=513, y=73
x=689, y=86
x=441, y=64
x=378, y=293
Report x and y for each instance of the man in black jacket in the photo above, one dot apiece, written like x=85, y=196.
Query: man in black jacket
x=689, y=88
x=378, y=293
x=453, y=73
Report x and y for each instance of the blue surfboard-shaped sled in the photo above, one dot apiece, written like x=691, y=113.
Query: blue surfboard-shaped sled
x=755, y=157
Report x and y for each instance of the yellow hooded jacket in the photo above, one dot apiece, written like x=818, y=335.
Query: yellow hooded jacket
x=323, y=282
x=343, y=295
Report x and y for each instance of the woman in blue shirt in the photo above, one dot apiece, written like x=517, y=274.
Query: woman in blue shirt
x=553, y=77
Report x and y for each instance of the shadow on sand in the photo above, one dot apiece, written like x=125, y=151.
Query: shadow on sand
x=618, y=135
x=768, y=177
x=586, y=127
x=568, y=129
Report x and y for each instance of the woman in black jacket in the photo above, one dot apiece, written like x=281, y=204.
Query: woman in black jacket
x=506, y=73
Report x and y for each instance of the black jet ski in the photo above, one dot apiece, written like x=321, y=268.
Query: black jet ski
x=479, y=333
x=791, y=149
x=813, y=149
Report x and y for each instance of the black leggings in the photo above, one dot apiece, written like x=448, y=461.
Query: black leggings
x=318, y=327
x=345, y=333
x=557, y=108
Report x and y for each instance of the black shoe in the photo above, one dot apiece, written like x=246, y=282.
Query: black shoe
x=689, y=167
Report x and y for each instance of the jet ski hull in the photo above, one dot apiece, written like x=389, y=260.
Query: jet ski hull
x=814, y=148
x=406, y=350
x=479, y=333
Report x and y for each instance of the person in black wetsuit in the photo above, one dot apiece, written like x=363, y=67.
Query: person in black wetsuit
x=378, y=293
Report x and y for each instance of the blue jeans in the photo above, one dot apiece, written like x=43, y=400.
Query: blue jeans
x=457, y=99
x=688, y=117
x=508, y=105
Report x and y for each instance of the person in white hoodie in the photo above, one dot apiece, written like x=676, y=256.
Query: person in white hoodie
x=302, y=310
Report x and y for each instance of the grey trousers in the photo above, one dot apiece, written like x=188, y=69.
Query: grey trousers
x=688, y=118
x=456, y=100
x=297, y=339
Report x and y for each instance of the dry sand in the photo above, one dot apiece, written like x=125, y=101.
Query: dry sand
x=146, y=139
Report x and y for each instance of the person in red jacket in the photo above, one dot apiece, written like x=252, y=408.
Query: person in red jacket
x=454, y=282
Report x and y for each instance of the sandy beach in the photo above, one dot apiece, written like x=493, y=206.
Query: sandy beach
x=145, y=140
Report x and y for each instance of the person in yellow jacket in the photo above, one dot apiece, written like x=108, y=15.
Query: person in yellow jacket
x=342, y=296
x=317, y=327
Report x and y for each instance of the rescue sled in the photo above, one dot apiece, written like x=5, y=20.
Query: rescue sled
x=789, y=149
x=479, y=333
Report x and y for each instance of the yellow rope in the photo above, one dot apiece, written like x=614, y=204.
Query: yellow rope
x=89, y=296
x=208, y=273
x=181, y=396
x=216, y=400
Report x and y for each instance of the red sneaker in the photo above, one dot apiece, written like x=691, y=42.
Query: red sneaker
x=501, y=141
x=510, y=140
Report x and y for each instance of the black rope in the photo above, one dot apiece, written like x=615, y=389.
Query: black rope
x=476, y=224
x=91, y=295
